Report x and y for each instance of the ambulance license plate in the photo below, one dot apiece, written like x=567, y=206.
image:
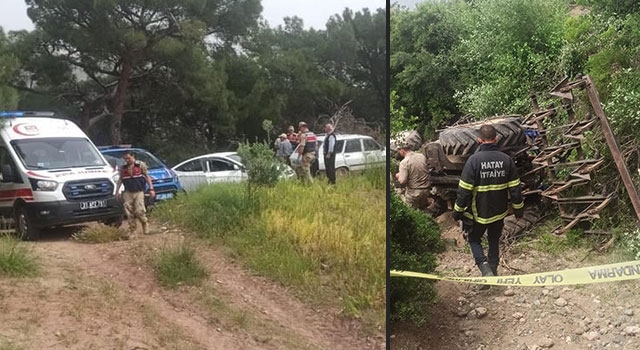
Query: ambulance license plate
x=93, y=204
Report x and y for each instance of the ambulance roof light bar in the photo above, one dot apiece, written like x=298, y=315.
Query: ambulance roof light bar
x=18, y=114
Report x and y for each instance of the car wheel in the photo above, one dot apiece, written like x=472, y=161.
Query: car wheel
x=24, y=226
x=342, y=171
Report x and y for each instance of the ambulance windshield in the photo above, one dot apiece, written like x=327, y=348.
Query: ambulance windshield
x=57, y=153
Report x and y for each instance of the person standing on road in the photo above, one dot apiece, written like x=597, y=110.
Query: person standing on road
x=329, y=153
x=413, y=175
x=306, y=152
x=134, y=175
x=285, y=149
x=489, y=181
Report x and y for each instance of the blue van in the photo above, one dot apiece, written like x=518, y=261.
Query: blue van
x=165, y=181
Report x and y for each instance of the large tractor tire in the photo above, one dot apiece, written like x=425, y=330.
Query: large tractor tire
x=463, y=139
x=514, y=229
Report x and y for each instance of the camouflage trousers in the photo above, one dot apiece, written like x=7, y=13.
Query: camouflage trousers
x=416, y=198
x=304, y=171
x=134, y=210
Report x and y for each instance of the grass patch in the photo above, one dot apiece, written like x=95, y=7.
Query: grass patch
x=9, y=346
x=16, y=259
x=327, y=242
x=100, y=233
x=178, y=265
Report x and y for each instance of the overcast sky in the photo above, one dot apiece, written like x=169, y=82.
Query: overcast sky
x=410, y=4
x=13, y=13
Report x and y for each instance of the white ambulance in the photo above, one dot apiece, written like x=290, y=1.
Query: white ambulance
x=52, y=175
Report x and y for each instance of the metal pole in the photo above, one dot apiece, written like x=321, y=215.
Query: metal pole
x=613, y=146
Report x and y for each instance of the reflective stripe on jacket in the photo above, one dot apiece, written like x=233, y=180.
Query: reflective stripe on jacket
x=488, y=179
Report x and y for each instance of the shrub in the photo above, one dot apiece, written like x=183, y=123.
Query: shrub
x=415, y=238
x=15, y=259
x=261, y=165
x=178, y=265
x=100, y=234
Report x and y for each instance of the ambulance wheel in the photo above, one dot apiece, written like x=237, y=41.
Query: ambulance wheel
x=24, y=227
x=114, y=222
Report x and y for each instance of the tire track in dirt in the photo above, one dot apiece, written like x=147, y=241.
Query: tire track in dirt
x=278, y=319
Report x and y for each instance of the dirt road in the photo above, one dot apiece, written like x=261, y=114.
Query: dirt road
x=105, y=296
x=595, y=316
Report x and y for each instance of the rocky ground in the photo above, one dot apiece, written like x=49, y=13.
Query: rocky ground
x=595, y=316
x=106, y=296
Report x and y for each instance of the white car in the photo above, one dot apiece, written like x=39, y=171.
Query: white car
x=353, y=153
x=215, y=168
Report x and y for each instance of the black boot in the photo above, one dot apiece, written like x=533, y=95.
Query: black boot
x=486, y=270
x=494, y=269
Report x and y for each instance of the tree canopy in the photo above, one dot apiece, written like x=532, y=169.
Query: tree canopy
x=201, y=74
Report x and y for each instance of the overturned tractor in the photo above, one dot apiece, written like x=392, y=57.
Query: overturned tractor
x=554, y=171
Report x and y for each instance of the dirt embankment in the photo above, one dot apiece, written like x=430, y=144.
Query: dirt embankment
x=595, y=316
x=105, y=296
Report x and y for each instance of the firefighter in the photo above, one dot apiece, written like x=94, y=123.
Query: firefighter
x=489, y=181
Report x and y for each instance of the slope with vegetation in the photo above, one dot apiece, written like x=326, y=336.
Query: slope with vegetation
x=484, y=58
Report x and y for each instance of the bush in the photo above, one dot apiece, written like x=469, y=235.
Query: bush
x=261, y=164
x=100, y=234
x=415, y=238
x=178, y=265
x=15, y=259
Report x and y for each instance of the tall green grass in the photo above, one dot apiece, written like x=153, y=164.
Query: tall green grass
x=16, y=259
x=178, y=265
x=328, y=242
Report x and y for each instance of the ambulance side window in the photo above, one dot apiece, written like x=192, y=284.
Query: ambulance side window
x=5, y=159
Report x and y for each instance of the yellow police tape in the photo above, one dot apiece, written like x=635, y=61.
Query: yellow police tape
x=584, y=275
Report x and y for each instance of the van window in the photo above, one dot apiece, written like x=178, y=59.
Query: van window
x=6, y=159
x=57, y=153
x=370, y=145
x=353, y=146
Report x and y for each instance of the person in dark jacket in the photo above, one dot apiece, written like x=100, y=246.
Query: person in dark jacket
x=330, y=153
x=489, y=181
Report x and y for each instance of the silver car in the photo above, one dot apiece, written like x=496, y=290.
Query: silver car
x=353, y=153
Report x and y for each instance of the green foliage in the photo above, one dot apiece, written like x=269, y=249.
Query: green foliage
x=631, y=239
x=452, y=58
x=8, y=68
x=400, y=121
x=16, y=260
x=424, y=72
x=178, y=265
x=300, y=236
x=623, y=105
x=262, y=167
x=513, y=46
x=415, y=239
